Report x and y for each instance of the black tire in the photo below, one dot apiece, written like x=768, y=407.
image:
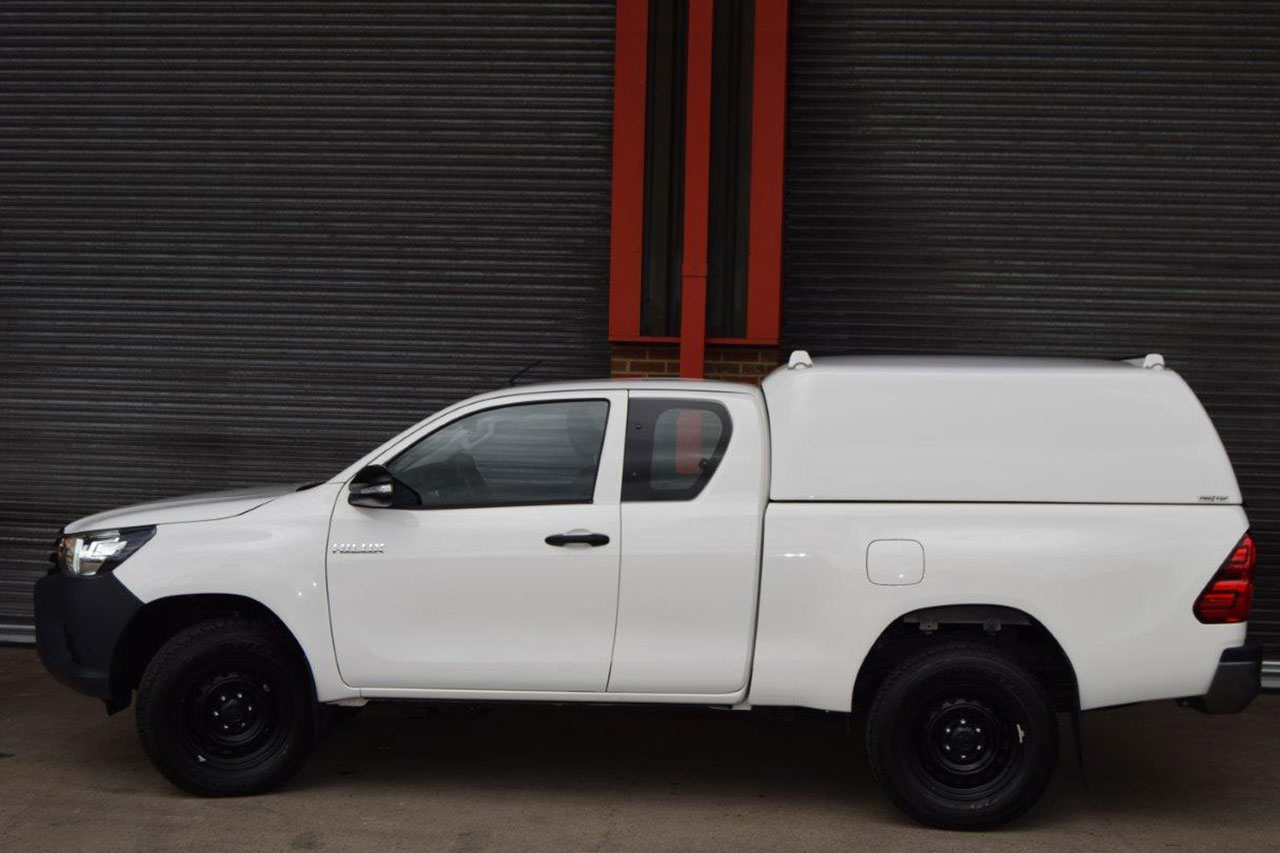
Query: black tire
x=225, y=708
x=961, y=736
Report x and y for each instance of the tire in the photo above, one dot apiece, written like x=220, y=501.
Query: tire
x=961, y=736
x=225, y=708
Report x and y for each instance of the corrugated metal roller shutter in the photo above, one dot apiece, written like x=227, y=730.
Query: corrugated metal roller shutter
x=244, y=242
x=1084, y=179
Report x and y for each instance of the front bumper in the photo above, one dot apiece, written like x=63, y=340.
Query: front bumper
x=79, y=622
x=1237, y=680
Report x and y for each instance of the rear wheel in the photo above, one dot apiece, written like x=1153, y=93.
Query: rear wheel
x=962, y=737
x=224, y=708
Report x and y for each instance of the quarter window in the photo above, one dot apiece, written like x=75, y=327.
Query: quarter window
x=529, y=453
x=673, y=448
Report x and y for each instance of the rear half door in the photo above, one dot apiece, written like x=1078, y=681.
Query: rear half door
x=693, y=493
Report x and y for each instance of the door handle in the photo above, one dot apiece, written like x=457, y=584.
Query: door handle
x=595, y=540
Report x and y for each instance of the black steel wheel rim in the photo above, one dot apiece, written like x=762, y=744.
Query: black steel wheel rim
x=234, y=716
x=969, y=741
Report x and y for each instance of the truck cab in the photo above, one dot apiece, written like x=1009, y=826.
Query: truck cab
x=958, y=549
x=546, y=545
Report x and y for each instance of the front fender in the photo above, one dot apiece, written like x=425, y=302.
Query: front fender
x=274, y=555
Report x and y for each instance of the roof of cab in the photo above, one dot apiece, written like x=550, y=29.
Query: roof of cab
x=672, y=385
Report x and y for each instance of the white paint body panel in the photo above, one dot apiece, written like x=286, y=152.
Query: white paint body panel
x=994, y=429
x=475, y=598
x=1113, y=584
x=273, y=554
x=204, y=507
x=687, y=604
x=729, y=597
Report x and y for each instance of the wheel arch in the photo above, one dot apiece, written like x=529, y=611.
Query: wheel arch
x=157, y=621
x=1011, y=630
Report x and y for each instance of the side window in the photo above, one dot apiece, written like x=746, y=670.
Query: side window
x=528, y=453
x=673, y=448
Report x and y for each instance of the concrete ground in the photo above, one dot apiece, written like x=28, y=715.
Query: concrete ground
x=635, y=779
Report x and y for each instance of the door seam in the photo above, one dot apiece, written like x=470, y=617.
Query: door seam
x=617, y=597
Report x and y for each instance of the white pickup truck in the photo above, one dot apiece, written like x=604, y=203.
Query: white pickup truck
x=958, y=548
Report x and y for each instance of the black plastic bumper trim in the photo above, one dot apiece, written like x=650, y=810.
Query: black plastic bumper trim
x=78, y=625
x=1237, y=680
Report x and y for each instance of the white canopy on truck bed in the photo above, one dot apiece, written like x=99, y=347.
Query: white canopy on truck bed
x=886, y=428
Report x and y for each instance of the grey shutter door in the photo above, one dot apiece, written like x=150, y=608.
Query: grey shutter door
x=1075, y=179
x=246, y=242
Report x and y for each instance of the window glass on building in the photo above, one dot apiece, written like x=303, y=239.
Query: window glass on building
x=730, y=177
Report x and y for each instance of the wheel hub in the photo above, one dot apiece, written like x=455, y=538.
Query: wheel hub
x=233, y=712
x=963, y=740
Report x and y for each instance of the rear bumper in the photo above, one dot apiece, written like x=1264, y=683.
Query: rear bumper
x=79, y=622
x=1236, y=681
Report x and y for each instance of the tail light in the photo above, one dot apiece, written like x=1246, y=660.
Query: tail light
x=1229, y=595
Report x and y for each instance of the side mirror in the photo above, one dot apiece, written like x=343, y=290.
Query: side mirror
x=373, y=486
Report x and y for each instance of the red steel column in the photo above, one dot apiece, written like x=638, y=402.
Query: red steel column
x=697, y=171
x=630, y=88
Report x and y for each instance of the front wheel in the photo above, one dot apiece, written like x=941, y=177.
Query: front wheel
x=225, y=708
x=961, y=736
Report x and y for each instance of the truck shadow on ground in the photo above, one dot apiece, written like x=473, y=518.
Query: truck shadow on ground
x=632, y=750
x=1136, y=765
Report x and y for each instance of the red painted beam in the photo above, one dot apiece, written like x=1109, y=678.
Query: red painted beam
x=626, y=241
x=697, y=176
x=768, y=153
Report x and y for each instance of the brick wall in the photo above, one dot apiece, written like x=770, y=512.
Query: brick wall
x=730, y=363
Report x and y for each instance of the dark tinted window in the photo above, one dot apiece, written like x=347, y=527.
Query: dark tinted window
x=533, y=453
x=673, y=448
x=729, y=185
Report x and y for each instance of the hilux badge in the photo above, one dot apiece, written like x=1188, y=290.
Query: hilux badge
x=357, y=547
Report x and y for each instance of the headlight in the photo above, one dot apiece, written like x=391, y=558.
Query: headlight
x=85, y=554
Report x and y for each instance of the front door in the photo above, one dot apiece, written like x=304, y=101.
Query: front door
x=498, y=567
